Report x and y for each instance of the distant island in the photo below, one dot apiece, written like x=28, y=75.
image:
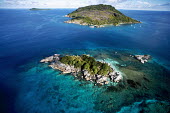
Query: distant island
x=99, y=16
x=34, y=9
x=85, y=67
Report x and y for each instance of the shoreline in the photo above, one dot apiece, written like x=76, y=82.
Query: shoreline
x=79, y=22
x=100, y=26
x=109, y=78
x=114, y=76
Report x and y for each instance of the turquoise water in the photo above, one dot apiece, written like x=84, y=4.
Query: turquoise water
x=27, y=86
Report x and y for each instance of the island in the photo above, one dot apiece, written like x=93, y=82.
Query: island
x=34, y=9
x=85, y=67
x=99, y=16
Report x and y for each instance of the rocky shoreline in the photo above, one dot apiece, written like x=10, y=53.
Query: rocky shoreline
x=83, y=23
x=112, y=77
x=80, y=22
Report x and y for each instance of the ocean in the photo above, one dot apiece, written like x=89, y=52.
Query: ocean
x=28, y=86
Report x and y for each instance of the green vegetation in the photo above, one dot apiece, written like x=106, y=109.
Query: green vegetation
x=100, y=15
x=87, y=63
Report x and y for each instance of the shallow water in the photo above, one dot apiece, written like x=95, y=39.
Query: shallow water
x=42, y=86
x=27, y=86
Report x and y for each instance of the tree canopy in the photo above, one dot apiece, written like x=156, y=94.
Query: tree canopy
x=88, y=63
x=100, y=15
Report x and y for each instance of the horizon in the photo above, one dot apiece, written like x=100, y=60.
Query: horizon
x=78, y=7
x=156, y=5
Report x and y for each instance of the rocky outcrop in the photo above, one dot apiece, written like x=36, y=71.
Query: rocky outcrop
x=80, y=22
x=55, y=57
x=142, y=58
x=54, y=62
x=75, y=22
x=66, y=16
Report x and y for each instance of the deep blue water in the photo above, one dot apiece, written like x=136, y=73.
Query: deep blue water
x=27, y=36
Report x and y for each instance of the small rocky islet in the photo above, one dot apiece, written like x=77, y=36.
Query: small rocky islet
x=87, y=68
x=99, y=16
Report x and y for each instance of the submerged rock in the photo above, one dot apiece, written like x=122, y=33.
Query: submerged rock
x=142, y=58
x=147, y=106
x=132, y=83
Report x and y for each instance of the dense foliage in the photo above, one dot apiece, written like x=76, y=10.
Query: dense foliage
x=87, y=63
x=99, y=15
x=100, y=7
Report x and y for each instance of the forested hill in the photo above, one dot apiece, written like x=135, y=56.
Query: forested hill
x=99, y=15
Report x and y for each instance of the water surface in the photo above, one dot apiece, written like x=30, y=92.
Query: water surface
x=28, y=36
